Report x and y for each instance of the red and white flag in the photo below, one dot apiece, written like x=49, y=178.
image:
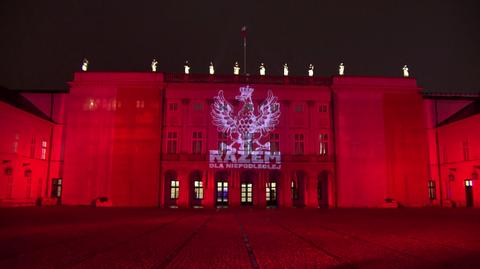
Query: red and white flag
x=243, y=31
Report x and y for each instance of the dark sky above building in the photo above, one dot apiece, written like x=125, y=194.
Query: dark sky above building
x=44, y=42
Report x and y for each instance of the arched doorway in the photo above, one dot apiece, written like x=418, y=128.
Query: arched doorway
x=271, y=188
x=196, y=189
x=246, y=187
x=322, y=189
x=298, y=188
x=172, y=188
x=221, y=189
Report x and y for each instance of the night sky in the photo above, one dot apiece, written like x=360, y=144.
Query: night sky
x=44, y=42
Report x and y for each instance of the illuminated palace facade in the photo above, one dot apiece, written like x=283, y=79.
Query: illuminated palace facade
x=177, y=140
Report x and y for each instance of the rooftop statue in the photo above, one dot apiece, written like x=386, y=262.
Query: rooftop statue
x=154, y=65
x=85, y=65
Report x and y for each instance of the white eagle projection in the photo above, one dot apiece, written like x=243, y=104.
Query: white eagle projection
x=246, y=129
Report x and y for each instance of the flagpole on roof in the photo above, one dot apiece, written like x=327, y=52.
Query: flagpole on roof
x=244, y=35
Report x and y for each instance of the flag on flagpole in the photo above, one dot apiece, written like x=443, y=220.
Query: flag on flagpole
x=243, y=31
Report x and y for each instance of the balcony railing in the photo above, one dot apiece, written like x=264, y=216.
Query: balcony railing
x=285, y=157
x=245, y=79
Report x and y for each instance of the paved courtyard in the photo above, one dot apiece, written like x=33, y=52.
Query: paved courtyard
x=83, y=237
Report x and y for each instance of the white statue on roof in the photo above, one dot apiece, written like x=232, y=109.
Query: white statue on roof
x=186, y=68
x=285, y=69
x=236, y=69
x=262, y=69
x=310, y=70
x=154, y=65
x=341, y=69
x=85, y=65
x=406, y=74
x=211, y=69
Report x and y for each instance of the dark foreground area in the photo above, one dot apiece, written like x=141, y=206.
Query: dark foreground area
x=83, y=237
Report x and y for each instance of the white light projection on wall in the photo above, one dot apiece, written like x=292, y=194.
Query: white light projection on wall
x=247, y=133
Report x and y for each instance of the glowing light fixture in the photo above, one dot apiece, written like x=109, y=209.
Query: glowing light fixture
x=85, y=65
x=285, y=69
x=186, y=68
x=406, y=74
x=262, y=69
x=468, y=183
x=211, y=69
x=310, y=70
x=236, y=69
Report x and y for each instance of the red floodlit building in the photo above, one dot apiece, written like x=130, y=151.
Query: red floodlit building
x=175, y=140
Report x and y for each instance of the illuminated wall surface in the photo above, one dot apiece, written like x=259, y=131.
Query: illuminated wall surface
x=149, y=139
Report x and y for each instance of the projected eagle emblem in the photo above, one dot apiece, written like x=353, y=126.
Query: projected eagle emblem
x=247, y=129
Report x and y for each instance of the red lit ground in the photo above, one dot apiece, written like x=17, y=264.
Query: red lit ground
x=82, y=237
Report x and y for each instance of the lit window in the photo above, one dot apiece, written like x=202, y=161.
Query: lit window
x=271, y=191
x=197, y=143
x=174, y=189
x=43, y=155
x=275, y=143
x=198, y=189
x=294, y=190
x=56, y=187
x=468, y=183
x=432, y=190
x=299, y=144
x=246, y=193
x=323, y=150
x=173, y=106
x=140, y=104
x=172, y=142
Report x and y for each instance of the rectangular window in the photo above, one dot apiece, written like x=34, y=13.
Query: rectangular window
x=197, y=143
x=294, y=190
x=174, y=189
x=172, y=143
x=299, y=144
x=246, y=193
x=15, y=143
x=43, y=155
x=323, y=150
x=197, y=107
x=274, y=143
x=222, y=141
x=56, y=187
x=323, y=108
x=432, y=191
x=173, y=106
x=466, y=154
x=32, y=148
x=198, y=189
x=299, y=108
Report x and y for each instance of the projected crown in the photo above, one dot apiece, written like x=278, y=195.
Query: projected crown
x=246, y=90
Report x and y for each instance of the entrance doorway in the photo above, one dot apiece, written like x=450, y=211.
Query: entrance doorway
x=222, y=193
x=246, y=193
x=271, y=193
x=469, y=192
x=322, y=189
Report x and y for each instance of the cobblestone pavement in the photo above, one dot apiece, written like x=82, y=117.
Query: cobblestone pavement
x=84, y=237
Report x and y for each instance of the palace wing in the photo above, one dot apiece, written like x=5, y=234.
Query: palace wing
x=269, y=115
x=222, y=114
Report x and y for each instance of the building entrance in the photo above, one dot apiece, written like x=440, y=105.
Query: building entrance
x=271, y=193
x=246, y=197
x=469, y=193
x=222, y=193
